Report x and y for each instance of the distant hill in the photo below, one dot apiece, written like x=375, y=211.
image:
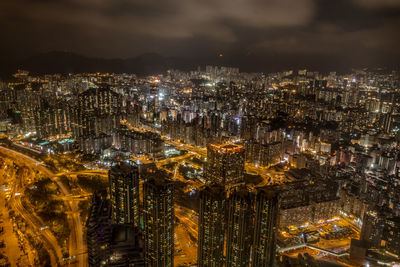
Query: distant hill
x=147, y=64
x=66, y=62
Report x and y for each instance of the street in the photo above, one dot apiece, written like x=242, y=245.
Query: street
x=77, y=245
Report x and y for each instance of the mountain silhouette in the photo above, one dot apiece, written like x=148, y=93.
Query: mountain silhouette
x=67, y=62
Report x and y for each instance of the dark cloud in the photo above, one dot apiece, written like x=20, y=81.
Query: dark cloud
x=378, y=3
x=165, y=19
x=238, y=28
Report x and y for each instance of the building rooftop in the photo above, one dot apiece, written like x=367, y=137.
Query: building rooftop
x=157, y=177
x=215, y=189
x=123, y=167
x=226, y=148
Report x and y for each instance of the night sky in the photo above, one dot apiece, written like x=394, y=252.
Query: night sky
x=252, y=33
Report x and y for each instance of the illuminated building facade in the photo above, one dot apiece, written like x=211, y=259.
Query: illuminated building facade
x=265, y=228
x=52, y=119
x=124, y=194
x=211, y=226
x=392, y=236
x=98, y=227
x=97, y=112
x=239, y=228
x=308, y=198
x=138, y=142
x=380, y=231
x=111, y=244
x=373, y=227
x=263, y=154
x=225, y=164
x=158, y=213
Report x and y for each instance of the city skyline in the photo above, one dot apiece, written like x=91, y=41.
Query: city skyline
x=200, y=133
x=203, y=167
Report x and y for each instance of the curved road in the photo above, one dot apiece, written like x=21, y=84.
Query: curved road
x=50, y=241
x=77, y=246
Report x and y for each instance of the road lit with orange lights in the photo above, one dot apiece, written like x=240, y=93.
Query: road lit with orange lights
x=77, y=246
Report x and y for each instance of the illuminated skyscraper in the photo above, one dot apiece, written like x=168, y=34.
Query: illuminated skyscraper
x=51, y=119
x=211, y=227
x=391, y=237
x=97, y=111
x=239, y=229
x=225, y=164
x=265, y=228
x=158, y=213
x=124, y=194
x=99, y=229
x=111, y=244
x=373, y=227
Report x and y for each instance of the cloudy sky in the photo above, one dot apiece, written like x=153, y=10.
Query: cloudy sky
x=253, y=33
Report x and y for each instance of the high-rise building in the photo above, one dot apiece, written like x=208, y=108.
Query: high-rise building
x=94, y=106
x=373, y=227
x=124, y=194
x=158, y=214
x=387, y=122
x=239, y=228
x=111, y=244
x=97, y=111
x=138, y=142
x=265, y=227
x=391, y=237
x=211, y=227
x=225, y=164
x=98, y=227
x=51, y=119
x=125, y=248
x=380, y=231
